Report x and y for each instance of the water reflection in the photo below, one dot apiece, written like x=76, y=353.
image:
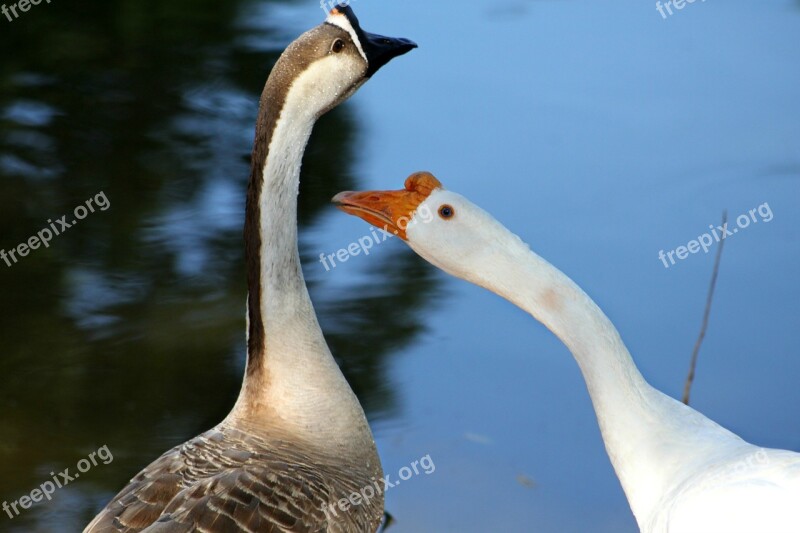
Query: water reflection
x=128, y=329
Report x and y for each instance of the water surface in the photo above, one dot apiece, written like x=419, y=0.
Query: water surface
x=601, y=134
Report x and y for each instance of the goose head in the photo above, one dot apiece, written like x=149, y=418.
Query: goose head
x=442, y=226
x=327, y=64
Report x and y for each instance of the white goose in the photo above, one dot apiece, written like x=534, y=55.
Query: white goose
x=297, y=442
x=681, y=472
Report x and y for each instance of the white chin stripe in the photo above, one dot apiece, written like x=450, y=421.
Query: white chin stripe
x=340, y=21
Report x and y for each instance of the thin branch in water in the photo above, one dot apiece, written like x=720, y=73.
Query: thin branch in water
x=690, y=378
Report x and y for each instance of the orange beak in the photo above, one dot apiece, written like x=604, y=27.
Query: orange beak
x=389, y=210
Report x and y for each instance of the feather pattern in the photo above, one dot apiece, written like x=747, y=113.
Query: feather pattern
x=230, y=480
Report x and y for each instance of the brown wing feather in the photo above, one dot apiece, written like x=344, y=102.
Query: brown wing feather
x=227, y=481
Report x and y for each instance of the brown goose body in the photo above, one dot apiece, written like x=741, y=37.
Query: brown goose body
x=297, y=440
x=227, y=480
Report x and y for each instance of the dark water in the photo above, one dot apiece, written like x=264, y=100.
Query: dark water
x=601, y=133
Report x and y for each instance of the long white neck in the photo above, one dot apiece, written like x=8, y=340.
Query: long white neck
x=292, y=381
x=652, y=440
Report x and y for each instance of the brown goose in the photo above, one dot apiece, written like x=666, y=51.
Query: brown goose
x=296, y=442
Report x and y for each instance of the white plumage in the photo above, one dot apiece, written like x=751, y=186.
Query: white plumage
x=681, y=472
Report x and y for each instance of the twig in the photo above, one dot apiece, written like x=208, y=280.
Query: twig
x=690, y=378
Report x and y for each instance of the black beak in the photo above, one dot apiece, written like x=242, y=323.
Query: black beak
x=380, y=50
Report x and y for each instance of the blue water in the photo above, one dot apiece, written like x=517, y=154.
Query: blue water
x=601, y=134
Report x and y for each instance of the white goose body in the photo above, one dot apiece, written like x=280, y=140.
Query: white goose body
x=297, y=440
x=681, y=472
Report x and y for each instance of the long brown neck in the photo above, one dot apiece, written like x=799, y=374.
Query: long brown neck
x=292, y=383
x=272, y=101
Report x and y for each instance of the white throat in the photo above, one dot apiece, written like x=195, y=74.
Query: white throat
x=299, y=386
x=653, y=441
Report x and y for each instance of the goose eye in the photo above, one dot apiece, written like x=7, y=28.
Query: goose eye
x=338, y=46
x=446, y=211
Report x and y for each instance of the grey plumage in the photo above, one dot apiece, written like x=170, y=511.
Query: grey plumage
x=227, y=480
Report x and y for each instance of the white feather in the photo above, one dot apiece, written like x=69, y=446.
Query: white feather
x=681, y=472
